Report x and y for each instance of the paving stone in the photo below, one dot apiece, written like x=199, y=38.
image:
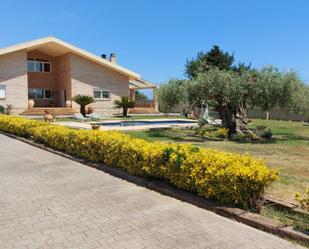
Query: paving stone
x=47, y=201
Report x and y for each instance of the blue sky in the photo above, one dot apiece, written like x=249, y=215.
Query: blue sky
x=155, y=37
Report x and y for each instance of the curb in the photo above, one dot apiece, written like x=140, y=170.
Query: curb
x=252, y=219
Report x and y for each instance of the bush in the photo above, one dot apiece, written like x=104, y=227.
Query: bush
x=263, y=132
x=19, y=126
x=230, y=178
x=242, y=137
x=222, y=133
x=303, y=200
x=2, y=110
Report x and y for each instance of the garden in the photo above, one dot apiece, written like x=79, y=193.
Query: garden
x=238, y=162
x=214, y=82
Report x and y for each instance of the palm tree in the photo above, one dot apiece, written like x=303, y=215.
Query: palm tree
x=83, y=100
x=125, y=103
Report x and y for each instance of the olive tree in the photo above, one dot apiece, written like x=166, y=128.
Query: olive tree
x=231, y=93
x=171, y=94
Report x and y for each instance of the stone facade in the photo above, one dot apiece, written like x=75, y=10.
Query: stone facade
x=42, y=80
x=13, y=75
x=70, y=75
x=87, y=75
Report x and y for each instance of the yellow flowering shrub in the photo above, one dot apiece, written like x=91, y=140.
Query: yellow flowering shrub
x=222, y=133
x=234, y=179
x=18, y=125
x=303, y=200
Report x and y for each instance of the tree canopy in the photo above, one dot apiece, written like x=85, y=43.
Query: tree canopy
x=171, y=94
x=140, y=95
x=231, y=93
x=214, y=80
x=205, y=61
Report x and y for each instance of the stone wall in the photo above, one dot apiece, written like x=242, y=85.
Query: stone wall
x=87, y=75
x=13, y=75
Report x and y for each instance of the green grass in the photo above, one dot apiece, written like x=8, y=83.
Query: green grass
x=298, y=221
x=289, y=152
x=286, y=132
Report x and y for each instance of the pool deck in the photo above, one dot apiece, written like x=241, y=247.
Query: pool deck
x=87, y=125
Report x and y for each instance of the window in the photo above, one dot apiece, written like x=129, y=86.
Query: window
x=2, y=91
x=101, y=94
x=38, y=65
x=47, y=94
x=36, y=93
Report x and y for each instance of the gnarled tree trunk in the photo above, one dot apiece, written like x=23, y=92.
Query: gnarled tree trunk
x=235, y=120
x=241, y=117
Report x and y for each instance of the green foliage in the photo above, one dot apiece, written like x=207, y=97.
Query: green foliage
x=215, y=86
x=262, y=132
x=83, y=101
x=2, y=109
x=231, y=92
x=221, y=133
x=204, y=61
x=241, y=137
x=171, y=94
x=273, y=88
x=140, y=95
x=124, y=103
x=230, y=178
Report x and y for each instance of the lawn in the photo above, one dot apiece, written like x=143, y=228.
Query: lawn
x=289, y=153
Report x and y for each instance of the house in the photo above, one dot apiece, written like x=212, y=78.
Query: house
x=49, y=72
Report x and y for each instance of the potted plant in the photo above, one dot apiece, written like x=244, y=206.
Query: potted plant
x=95, y=126
x=48, y=117
x=68, y=103
x=30, y=103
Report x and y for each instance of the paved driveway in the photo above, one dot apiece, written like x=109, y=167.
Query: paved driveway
x=47, y=201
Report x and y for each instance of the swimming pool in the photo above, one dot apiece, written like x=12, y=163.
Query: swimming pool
x=166, y=123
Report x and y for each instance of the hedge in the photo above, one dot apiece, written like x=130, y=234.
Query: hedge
x=230, y=178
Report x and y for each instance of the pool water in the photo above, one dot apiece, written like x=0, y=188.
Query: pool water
x=140, y=123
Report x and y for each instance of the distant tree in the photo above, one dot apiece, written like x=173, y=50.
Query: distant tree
x=204, y=61
x=140, y=95
x=124, y=103
x=242, y=67
x=83, y=101
x=171, y=94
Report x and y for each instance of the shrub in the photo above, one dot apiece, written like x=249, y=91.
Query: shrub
x=19, y=126
x=303, y=200
x=263, y=132
x=1, y=109
x=230, y=178
x=222, y=133
x=241, y=137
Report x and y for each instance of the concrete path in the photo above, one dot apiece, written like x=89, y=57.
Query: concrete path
x=47, y=201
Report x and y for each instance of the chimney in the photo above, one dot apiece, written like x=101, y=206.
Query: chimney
x=113, y=58
x=103, y=56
